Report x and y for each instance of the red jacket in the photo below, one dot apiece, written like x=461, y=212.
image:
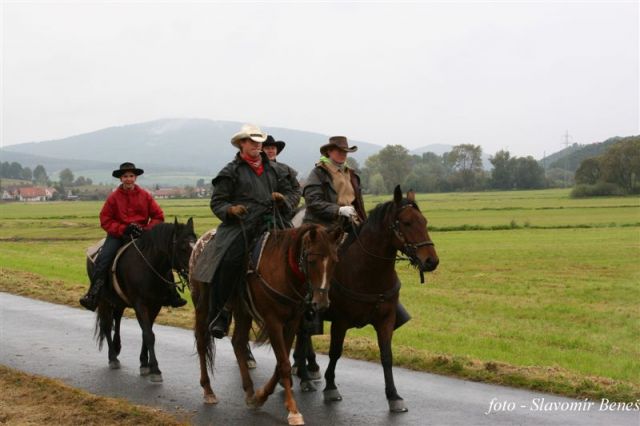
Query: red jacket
x=125, y=207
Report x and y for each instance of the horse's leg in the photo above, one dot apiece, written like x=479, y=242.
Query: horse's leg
x=251, y=361
x=204, y=342
x=385, y=334
x=145, y=316
x=117, y=316
x=313, y=369
x=105, y=313
x=240, y=342
x=300, y=356
x=281, y=342
x=338, y=331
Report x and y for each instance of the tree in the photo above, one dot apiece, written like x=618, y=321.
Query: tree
x=66, y=177
x=26, y=174
x=80, y=181
x=200, y=183
x=502, y=173
x=15, y=171
x=377, y=185
x=395, y=163
x=589, y=171
x=40, y=175
x=620, y=164
x=528, y=173
x=466, y=162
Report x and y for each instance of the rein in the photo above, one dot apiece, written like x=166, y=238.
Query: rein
x=182, y=274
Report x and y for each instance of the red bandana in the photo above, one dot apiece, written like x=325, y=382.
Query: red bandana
x=256, y=165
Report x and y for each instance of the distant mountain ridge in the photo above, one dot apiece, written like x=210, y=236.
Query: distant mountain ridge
x=200, y=146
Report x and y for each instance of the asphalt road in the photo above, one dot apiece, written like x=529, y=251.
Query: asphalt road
x=56, y=341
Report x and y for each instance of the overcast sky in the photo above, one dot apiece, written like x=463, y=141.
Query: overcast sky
x=497, y=74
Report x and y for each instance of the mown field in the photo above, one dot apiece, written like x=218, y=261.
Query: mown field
x=534, y=289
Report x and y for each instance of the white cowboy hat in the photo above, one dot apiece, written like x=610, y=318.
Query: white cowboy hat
x=248, y=131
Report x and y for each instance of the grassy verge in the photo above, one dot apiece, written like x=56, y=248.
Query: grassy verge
x=27, y=400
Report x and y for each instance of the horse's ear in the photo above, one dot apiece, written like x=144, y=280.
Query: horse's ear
x=175, y=221
x=397, y=195
x=190, y=224
x=411, y=196
x=313, y=233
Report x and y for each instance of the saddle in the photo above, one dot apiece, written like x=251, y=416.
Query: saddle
x=203, y=253
x=93, y=252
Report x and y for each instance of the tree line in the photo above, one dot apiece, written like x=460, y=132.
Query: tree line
x=615, y=172
x=458, y=170
x=39, y=176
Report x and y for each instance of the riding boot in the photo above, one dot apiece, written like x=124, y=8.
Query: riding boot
x=219, y=327
x=402, y=316
x=90, y=300
x=174, y=299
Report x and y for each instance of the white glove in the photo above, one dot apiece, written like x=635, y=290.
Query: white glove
x=347, y=211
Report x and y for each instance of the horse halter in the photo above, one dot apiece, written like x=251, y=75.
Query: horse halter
x=303, y=261
x=409, y=249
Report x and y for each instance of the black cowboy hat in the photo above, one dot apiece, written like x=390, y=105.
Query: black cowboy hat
x=272, y=142
x=127, y=167
x=339, y=142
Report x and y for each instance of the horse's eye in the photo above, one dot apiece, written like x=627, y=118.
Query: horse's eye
x=407, y=224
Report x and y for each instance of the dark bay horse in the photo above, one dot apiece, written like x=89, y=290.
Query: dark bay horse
x=365, y=287
x=144, y=271
x=294, y=271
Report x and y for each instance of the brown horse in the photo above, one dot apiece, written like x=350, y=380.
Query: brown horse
x=294, y=273
x=365, y=287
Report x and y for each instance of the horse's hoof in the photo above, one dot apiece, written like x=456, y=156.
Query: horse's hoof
x=155, y=377
x=252, y=402
x=210, y=399
x=307, y=386
x=295, y=419
x=398, y=406
x=332, y=395
x=144, y=371
x=114, y=365
x=315, y=375
x=251, y=364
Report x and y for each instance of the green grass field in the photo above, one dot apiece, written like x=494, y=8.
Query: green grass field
x=534, y=288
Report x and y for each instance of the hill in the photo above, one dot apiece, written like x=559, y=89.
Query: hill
x=570, y=157
x=197, y=146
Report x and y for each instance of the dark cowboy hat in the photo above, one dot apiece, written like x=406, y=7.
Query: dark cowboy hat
x=339, y=142
x=127, y=167
x=272, y=142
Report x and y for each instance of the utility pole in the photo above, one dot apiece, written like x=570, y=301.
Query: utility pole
x=566, y=137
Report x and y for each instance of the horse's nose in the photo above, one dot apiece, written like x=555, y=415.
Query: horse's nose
x=431, y=264
x=323, y=305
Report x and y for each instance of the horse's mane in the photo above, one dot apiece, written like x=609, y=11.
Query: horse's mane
x=157, y=236
x=376, y=219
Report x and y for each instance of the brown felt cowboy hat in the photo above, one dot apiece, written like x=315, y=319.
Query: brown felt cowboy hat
x=127, y=167
x=339, y=142
x=272, y=142
x=248, y=131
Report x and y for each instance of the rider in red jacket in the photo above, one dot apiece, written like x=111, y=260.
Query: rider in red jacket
x=127, y=213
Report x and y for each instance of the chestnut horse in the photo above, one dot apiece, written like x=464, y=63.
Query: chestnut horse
x=144, y=271
x=365, y=287
x=293, y=273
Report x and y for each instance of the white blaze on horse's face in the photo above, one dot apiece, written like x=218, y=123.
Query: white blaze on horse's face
x=192, y=245
x=325, y=261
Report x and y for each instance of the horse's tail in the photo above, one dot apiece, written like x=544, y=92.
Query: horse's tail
x=104, y=320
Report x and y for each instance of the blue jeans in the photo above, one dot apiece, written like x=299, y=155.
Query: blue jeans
x=105, y=257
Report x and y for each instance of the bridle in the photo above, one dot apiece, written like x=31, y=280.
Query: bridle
x=183, y=273
x=410, y=250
